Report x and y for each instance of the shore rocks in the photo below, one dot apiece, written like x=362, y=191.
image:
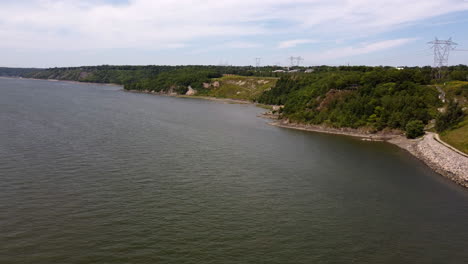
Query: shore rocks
x=442, y=159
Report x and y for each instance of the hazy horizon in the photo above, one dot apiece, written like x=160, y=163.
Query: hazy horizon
x=230, y=65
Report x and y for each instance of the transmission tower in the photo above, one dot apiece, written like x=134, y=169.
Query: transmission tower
x=442, y=50
x=257, y=62
x=292, y=59
x=299, y=60
x=295, y=61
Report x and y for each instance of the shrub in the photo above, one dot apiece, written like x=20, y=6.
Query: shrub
x=452, y=116
x=414, y=129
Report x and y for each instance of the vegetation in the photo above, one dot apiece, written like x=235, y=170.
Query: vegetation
x=451, y=116
x=16, y=72
x=456, y=91
x=176, y=80
x=414, y=129
x=457, y=136
x=238, y=87
x=376, y=98
x=149, y=78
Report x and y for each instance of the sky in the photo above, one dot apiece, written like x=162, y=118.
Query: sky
x=58, y=33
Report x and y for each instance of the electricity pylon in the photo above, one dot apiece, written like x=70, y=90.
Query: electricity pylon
x=257, y=62
x=442, y=50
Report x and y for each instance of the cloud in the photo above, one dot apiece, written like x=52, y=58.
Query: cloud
x=167, y=24
x=294, y=42
x=361, y=49
x=242, y=45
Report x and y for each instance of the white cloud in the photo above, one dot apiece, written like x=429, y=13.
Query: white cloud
x=161, y=24
x=350, y=51
x=294, y=42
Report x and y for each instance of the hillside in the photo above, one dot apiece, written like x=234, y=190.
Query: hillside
x=238, y=87
x=457, y=136
x=17, y=72
x=374, y=100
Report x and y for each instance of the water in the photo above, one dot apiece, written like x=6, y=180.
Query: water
x=92, y=174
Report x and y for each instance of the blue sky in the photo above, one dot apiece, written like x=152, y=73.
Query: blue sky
x=54, y=33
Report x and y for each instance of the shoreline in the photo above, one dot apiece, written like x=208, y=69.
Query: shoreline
x=436, y=154
x=443, y=159
x=66, y=81
x=358, y=133
x=216, y=99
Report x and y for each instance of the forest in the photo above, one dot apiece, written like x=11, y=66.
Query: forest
x=377, y=98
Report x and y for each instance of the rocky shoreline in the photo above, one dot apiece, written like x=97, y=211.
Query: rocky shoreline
x=444, y=160
x=360, y=133
x=441, y=158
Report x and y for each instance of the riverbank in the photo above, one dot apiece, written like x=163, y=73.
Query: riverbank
x=216, y=99
x=434, y=153
x=439, y=156
x=360, y=133
x=65, y=81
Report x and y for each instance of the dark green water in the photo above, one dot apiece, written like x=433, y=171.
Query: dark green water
x=92, y=174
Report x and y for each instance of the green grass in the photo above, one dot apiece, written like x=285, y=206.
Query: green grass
x=241, y=87
x=457, y=137
x=456, y=90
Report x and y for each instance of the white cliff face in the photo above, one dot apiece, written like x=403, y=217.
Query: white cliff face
x=191, y=91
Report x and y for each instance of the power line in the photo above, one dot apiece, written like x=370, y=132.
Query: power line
x=258, y=62
x=442, y=50
x=296, y=61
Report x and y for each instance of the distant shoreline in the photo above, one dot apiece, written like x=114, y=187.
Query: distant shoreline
x=55, y=80
x=216, y=99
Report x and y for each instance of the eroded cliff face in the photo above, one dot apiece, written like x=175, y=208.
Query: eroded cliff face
x=191, y=91
x=239, y=87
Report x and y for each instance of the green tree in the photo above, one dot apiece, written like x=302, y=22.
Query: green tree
x=452, y=116
x=414, y=129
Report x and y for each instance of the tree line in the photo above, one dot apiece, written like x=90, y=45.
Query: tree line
x=377, y=97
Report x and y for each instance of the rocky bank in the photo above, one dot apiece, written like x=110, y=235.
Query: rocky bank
x=438, y=155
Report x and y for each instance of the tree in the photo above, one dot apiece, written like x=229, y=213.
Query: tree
x=414, y=129
x=452, y=116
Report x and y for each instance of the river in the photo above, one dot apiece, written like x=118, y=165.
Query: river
x=92, y=174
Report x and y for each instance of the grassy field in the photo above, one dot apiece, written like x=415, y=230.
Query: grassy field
x=457, y=137
x=240, y=87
